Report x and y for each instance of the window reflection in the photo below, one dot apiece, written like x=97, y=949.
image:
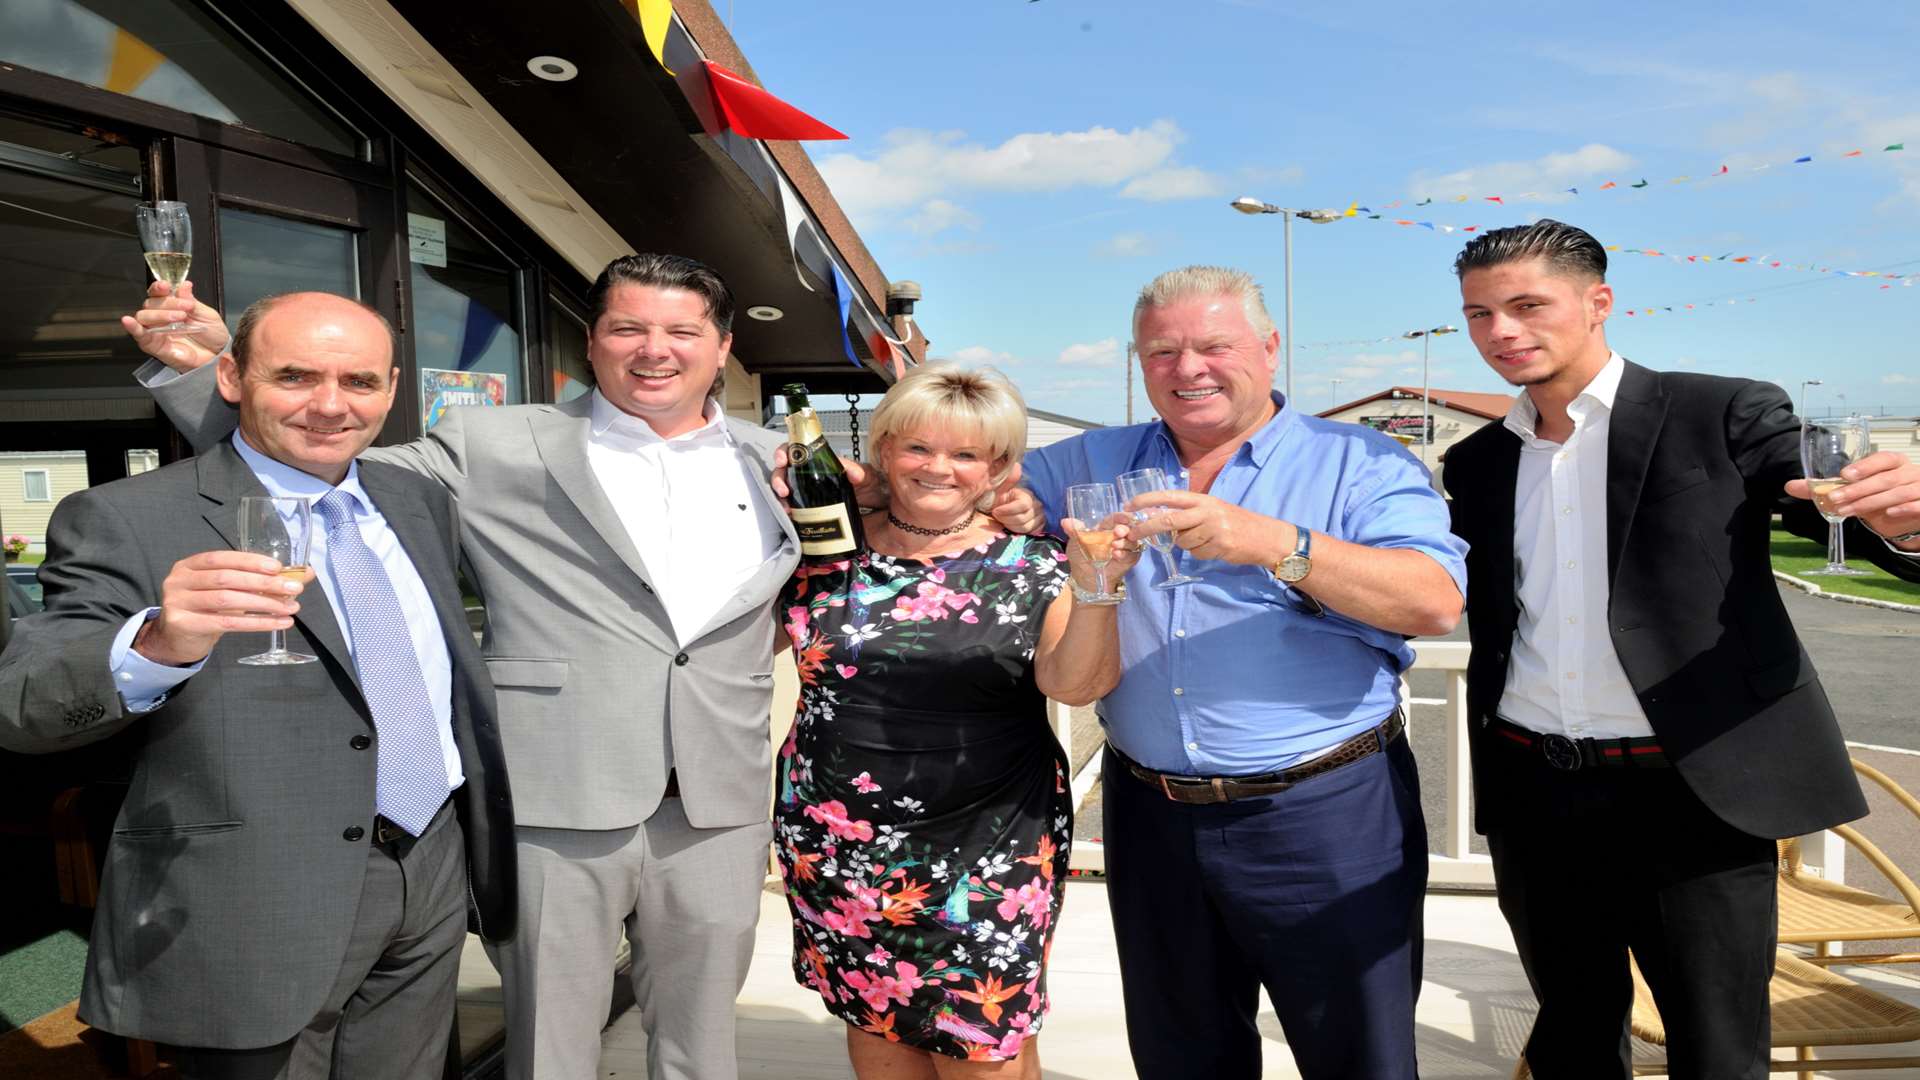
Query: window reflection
x=567, y=352
x=261, y=255
x=466, y=322
x=169, y=52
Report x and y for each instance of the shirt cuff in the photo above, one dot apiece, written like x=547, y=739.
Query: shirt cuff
x=1898, y=551
x=143, y=684
x=153, y=374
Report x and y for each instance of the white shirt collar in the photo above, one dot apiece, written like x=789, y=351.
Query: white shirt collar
x=1522, y=417
x=608, y=417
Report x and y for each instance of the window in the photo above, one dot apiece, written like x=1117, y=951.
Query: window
x=38, y=487
x=567, y=351
x=172, y=53
x=468, y=345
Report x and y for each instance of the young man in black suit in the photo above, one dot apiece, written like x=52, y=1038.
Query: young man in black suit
x=1645, y=722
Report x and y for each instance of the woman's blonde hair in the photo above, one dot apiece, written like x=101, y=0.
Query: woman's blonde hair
x=947, y=397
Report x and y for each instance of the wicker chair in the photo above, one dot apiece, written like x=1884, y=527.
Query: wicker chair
x=1811, y=1007
x=1815, y=911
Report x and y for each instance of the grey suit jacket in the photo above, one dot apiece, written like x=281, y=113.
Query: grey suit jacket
x=596, y=697
x=231, y=882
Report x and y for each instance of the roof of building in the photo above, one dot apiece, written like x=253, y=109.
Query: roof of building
x=1487, y=406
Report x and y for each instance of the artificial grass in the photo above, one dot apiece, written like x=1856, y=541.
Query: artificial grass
x=1794, y=555
x=39, y=977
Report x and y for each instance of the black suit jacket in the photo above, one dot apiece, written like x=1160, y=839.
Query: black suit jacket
x=1695, y=467
x=235, y=868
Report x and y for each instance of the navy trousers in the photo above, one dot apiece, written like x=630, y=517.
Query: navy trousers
x=1314, y=893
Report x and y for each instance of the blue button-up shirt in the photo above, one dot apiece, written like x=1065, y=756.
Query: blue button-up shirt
x=1241, y=674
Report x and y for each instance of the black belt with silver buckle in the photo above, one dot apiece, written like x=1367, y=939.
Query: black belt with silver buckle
x=1204, y=790
x=1568, y=754
x=388, y=834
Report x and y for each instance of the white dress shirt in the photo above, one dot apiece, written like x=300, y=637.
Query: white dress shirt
x=1563, y=676
x=144, y=684
x=689, y=506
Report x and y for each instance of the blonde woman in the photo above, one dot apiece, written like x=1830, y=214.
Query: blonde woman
x=923, y=819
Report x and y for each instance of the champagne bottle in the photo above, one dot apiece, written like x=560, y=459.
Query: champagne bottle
x=819, y=494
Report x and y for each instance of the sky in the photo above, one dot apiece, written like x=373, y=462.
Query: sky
x=1033, y=164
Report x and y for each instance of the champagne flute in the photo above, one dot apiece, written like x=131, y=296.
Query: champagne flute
x=1826, y=447
x=1137, y=483
x=1095, y=506
x=166, y=235
x=279, y=528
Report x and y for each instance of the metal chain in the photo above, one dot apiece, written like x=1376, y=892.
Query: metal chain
x=853, y=423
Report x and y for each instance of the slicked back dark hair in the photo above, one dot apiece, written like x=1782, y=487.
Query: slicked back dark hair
x=1567, y=249
x=664, y=272
x=250, y=319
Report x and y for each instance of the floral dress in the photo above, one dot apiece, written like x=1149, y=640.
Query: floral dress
x=923, y=817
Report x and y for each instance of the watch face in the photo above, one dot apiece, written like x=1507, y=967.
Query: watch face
x=1293, y=568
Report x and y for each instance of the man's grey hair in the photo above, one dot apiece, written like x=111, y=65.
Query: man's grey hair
x=1567, y=249
x=1191, y=281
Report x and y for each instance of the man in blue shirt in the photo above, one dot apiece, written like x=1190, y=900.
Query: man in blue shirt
x=1263, y=823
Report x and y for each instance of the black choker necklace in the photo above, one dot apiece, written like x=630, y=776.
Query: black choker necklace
x=918, y=531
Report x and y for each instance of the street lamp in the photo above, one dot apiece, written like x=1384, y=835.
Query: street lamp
x=1426, y=384
x=1336, y=390
x=1247, y=204
x=1804, y=383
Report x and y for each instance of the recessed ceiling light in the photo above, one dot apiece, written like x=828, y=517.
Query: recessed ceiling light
x=764, y=313
x=552, y=68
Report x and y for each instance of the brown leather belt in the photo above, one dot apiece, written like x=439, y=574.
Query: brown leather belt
x=1203, y=790
x=1568, y=754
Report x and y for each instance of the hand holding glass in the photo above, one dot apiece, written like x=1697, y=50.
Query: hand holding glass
x=1140, y=482
x=1826, y=447
x=166, y=235
x=280, y=529
x=1094, y=506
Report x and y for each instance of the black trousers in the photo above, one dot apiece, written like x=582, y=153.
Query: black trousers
x=1602, y=861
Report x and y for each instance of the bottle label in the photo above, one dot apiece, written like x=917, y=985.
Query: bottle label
x=823, y=530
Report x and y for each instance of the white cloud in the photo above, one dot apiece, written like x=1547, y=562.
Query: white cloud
x=1125, y=246
x=1548, y=175
x=1898, y=380
x=916, y=165
x=1106, y=353
x=939, y=215
x=980, y=356
x=1181, y=182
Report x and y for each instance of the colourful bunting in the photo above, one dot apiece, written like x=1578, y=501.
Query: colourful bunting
x=752, y=112
x=654, y=17
x=1803, y=159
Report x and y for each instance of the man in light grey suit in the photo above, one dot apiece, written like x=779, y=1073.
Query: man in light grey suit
x=628, y=550
x=287, y=887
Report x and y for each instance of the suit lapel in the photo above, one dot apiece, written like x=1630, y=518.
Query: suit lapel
x=1502, y=480
x=560, y=434
x=224, y=480
x=1639, y=410
x=749, y=440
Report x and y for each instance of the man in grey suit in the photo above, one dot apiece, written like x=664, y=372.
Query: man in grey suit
x=628, y=550
x=292, y=873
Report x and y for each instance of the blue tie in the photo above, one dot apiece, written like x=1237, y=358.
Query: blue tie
x=411, y=781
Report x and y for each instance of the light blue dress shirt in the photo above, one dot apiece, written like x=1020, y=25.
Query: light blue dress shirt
x=144, y=685
x=1241, y=674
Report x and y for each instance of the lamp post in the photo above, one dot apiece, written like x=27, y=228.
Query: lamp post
x=1336, y=391
x=1247, y=204
x=1426, y=384
x=1804, y=383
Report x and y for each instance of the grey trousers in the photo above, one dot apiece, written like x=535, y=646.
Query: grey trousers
x=687, y=899
x=391, y=1009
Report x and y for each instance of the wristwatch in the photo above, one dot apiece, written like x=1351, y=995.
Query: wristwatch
x=1297, y=566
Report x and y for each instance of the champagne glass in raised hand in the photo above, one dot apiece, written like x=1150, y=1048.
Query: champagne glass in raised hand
x=1826, y=447
x=1095, y=506
x=166, y=235
x=280, y=529
x=1140, y=482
